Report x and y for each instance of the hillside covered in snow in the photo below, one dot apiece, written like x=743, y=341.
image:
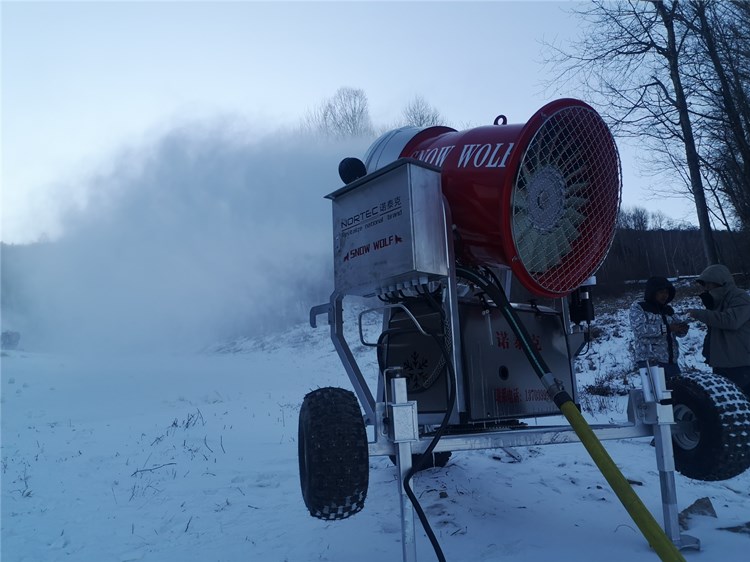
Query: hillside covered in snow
x=193, y=457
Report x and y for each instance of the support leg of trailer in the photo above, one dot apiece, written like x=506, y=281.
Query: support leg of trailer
x=404, y=430
x=408, y=538
x=663, y=419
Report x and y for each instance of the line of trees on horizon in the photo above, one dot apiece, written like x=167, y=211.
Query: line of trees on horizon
x=648, y=243
x=346, y=114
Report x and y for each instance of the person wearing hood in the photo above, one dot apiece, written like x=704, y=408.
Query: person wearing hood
x=656, y=327
x=727, y=316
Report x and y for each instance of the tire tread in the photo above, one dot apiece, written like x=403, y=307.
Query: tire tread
x=724, y=451
x=334, y=474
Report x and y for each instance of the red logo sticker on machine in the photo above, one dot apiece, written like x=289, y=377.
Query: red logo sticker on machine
x=508, y=395
x=373, y=247
x=503, y=341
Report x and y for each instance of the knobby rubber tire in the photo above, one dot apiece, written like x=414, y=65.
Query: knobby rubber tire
x=718, y=448
x=333, y=454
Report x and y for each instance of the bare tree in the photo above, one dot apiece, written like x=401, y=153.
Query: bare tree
x=659, y=221
x=722, y=69
x=631, y=60
x=345, y=114
x=641, y=219
x=624, y=219
x=419, y=113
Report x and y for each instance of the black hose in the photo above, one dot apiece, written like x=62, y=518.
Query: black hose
x=494, y=290
x=423, y=458
x=498, y=296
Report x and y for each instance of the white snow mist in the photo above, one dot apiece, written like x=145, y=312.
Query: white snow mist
x=205, y=235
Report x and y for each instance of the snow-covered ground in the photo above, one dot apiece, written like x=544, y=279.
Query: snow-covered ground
x=175, y=458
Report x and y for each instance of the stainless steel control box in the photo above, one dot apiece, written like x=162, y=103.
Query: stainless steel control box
x=389, y=230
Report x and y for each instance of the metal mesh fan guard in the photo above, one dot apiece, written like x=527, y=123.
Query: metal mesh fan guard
x=565, y=199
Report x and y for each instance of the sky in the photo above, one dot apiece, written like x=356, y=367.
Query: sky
x=82, y=82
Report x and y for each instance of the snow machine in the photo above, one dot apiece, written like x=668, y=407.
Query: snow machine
x=481, y=246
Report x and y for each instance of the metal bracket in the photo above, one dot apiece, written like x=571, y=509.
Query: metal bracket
x=316, y=311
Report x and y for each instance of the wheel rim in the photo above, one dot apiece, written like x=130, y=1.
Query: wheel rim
x=686, y=418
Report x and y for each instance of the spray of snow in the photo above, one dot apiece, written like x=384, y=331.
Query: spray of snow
x=205, y=234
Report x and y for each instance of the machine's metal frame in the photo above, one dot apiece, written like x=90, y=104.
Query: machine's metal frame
x=396, y=423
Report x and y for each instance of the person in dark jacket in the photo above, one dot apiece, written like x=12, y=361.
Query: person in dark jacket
x=656, y=327
x=727, y=315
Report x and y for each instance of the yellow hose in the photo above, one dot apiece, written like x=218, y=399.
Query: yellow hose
x=653, y=532
x=642, y=517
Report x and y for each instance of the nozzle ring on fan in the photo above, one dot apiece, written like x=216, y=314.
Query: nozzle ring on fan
x=546, y=198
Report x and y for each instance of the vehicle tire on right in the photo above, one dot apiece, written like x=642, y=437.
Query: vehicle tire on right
x=711, y=438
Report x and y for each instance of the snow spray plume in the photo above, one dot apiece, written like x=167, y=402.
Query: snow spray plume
x=206, y=235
